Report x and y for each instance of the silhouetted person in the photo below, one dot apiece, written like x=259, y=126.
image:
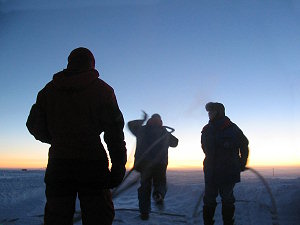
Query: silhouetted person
x=151, y=159
x=226, y=152
x=70, y=113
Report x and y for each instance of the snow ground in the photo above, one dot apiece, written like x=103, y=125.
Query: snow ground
x=22, y=200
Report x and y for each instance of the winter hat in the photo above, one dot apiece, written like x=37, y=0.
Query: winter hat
x=81, y=59
x=216, y=106
x=155, y=120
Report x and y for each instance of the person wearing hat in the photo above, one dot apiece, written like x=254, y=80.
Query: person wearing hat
x=151, y=159
x=226, y=153
x=70, y=113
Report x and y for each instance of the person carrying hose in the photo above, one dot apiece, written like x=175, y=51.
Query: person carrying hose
x=151, y=159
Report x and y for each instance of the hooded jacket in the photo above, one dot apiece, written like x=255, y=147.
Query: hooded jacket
x=70, y=113
x=226, y=151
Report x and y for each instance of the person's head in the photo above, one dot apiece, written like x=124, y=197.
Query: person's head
x=81, y=59
x=215, y=110
x=155, y=120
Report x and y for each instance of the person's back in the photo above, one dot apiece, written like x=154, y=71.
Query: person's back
x=70, y=113
x=153, y=141
x=76, y=105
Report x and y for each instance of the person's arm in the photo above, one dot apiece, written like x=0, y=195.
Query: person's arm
x=114, y=138
x=244, y=150
x=208, y=144
x=206, y=140
x=37, y=122
x=135, y=125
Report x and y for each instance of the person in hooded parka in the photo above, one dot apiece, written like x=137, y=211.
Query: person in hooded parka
x=70, y=113
x=151, y=159
x=226, y=152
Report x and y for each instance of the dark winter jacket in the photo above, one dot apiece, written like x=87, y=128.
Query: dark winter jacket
x=70, y=113
x=152, y=144
x=226, y=151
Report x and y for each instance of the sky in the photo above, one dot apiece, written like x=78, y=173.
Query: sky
x=169, y=57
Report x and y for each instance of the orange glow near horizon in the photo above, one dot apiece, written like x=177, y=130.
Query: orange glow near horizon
x=20, y=163
x=23, y=164
x=188, y=155
x=179, y=166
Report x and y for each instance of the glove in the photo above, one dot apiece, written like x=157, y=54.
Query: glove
x=243, y=168
x=243, y=164
x=116, y=176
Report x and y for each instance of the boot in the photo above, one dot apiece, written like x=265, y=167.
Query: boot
x=228, y=214
x=208, y=214
x=158, y=198
x=144, y=216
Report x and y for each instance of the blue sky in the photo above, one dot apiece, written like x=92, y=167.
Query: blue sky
x=167, y=57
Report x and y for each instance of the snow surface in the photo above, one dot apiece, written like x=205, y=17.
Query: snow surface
x=22, y=199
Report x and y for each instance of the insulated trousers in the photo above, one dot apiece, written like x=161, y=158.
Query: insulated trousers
x=96, y=205
x=157, y=175
x=227, y=198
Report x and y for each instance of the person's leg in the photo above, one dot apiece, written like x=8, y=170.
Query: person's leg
x=159, y=183
x=144, y=193
x=209, y=207
x=96, y=206
x=228, y=200
x=60, y=205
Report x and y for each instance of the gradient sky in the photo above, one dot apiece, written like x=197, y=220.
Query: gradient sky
x=169, y=57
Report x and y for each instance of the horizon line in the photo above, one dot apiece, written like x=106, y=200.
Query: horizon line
x=183, y=167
